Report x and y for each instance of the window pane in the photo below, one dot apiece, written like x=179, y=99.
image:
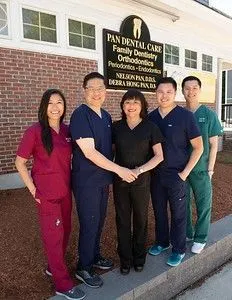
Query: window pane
x=229, y=85
x=194, y=55
x=3, y=27
x=88, y=29
x=204, y=66
x=209, y=59
x=187, y=63
x=203, y=57
x=30, y=17
x=168, y=48
x=175, y=51
x=168, y=59
x=209, y=68
x=3, y=11
x=175, y=60
x=187, y=53
x=48, y=35
x=75, y=40
x=194, y=64
x=31, y=32
x=74, y=26
x=47, y=20
x=88, y=43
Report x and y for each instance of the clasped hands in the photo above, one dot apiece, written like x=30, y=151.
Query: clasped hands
x=128, y=175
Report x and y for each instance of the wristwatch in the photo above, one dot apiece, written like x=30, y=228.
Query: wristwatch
x=141, y=170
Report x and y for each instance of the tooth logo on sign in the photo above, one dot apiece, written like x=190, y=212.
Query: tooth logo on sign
x=137, y=28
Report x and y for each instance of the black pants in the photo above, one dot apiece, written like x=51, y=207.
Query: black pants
x=166, y=187
x=131, y=200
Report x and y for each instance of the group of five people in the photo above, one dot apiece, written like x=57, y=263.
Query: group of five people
x=159, y=154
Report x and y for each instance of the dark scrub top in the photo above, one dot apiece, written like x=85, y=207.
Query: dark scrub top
x=178, y=128
x=50, y=173
x=133, y=147
x=86, y=123
x=210, y=126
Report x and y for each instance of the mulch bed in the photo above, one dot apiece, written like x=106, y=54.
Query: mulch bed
x=22, y=263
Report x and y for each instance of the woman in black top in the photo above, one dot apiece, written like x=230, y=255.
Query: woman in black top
x=137, y=146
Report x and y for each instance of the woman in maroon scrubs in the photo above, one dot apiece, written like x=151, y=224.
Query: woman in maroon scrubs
x=49, y=143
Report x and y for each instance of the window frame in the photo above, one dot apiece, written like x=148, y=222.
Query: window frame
x=8, y=36
x=53, y=13
x=190, y=59
x=171, y=54
x=206, y=63
x=87, y=21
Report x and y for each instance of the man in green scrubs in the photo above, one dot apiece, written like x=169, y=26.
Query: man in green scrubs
x=199, y=180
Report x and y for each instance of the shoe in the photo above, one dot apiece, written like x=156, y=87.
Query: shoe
x=125, y=270
x=197, y=247
x=90, y=278
x=48, y=272
x=188, y=239
x=175, y=259
x=103, y=263
x=157, y=249
x=138, y=268
x=73, y=294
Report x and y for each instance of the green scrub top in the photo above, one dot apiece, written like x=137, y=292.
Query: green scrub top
x=209, y=126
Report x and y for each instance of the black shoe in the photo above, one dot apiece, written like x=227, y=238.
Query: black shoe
x=103, y=263
x=138, y=268
x=90, y=278
x=125, y=270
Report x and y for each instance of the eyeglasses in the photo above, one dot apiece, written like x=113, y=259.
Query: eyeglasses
x=99, y=89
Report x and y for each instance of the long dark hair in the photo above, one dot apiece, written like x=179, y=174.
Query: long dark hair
x=135, y=94
x=46, y=135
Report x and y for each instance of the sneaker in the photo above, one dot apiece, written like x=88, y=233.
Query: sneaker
x=103, y=263
x=175, y=259
x=48, y=272
x=89, y=278
x=73, y=294
x=157, y=249
x=197, y=247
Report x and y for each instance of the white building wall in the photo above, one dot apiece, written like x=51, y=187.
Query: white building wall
x=198, y=28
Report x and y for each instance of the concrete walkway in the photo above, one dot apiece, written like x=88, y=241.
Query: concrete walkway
x=216, y=287
x=158, y=281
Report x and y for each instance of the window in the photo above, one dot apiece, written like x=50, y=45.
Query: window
x=171, y=54
x=81, y=34
x=39, y=26
x=3, y=19
x=190, y=59
x=207, y=63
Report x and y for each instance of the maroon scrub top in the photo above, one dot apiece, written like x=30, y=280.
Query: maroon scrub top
x=51, y=174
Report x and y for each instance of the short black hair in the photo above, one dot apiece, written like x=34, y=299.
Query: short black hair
x=190, y=78
x=92, y=75
x=166, y=80
x=135, y=94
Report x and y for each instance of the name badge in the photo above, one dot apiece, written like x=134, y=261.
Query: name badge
x=201, y=120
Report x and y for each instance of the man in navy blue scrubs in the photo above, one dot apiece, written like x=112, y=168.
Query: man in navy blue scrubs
x=90, y=128
x=180, y=130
